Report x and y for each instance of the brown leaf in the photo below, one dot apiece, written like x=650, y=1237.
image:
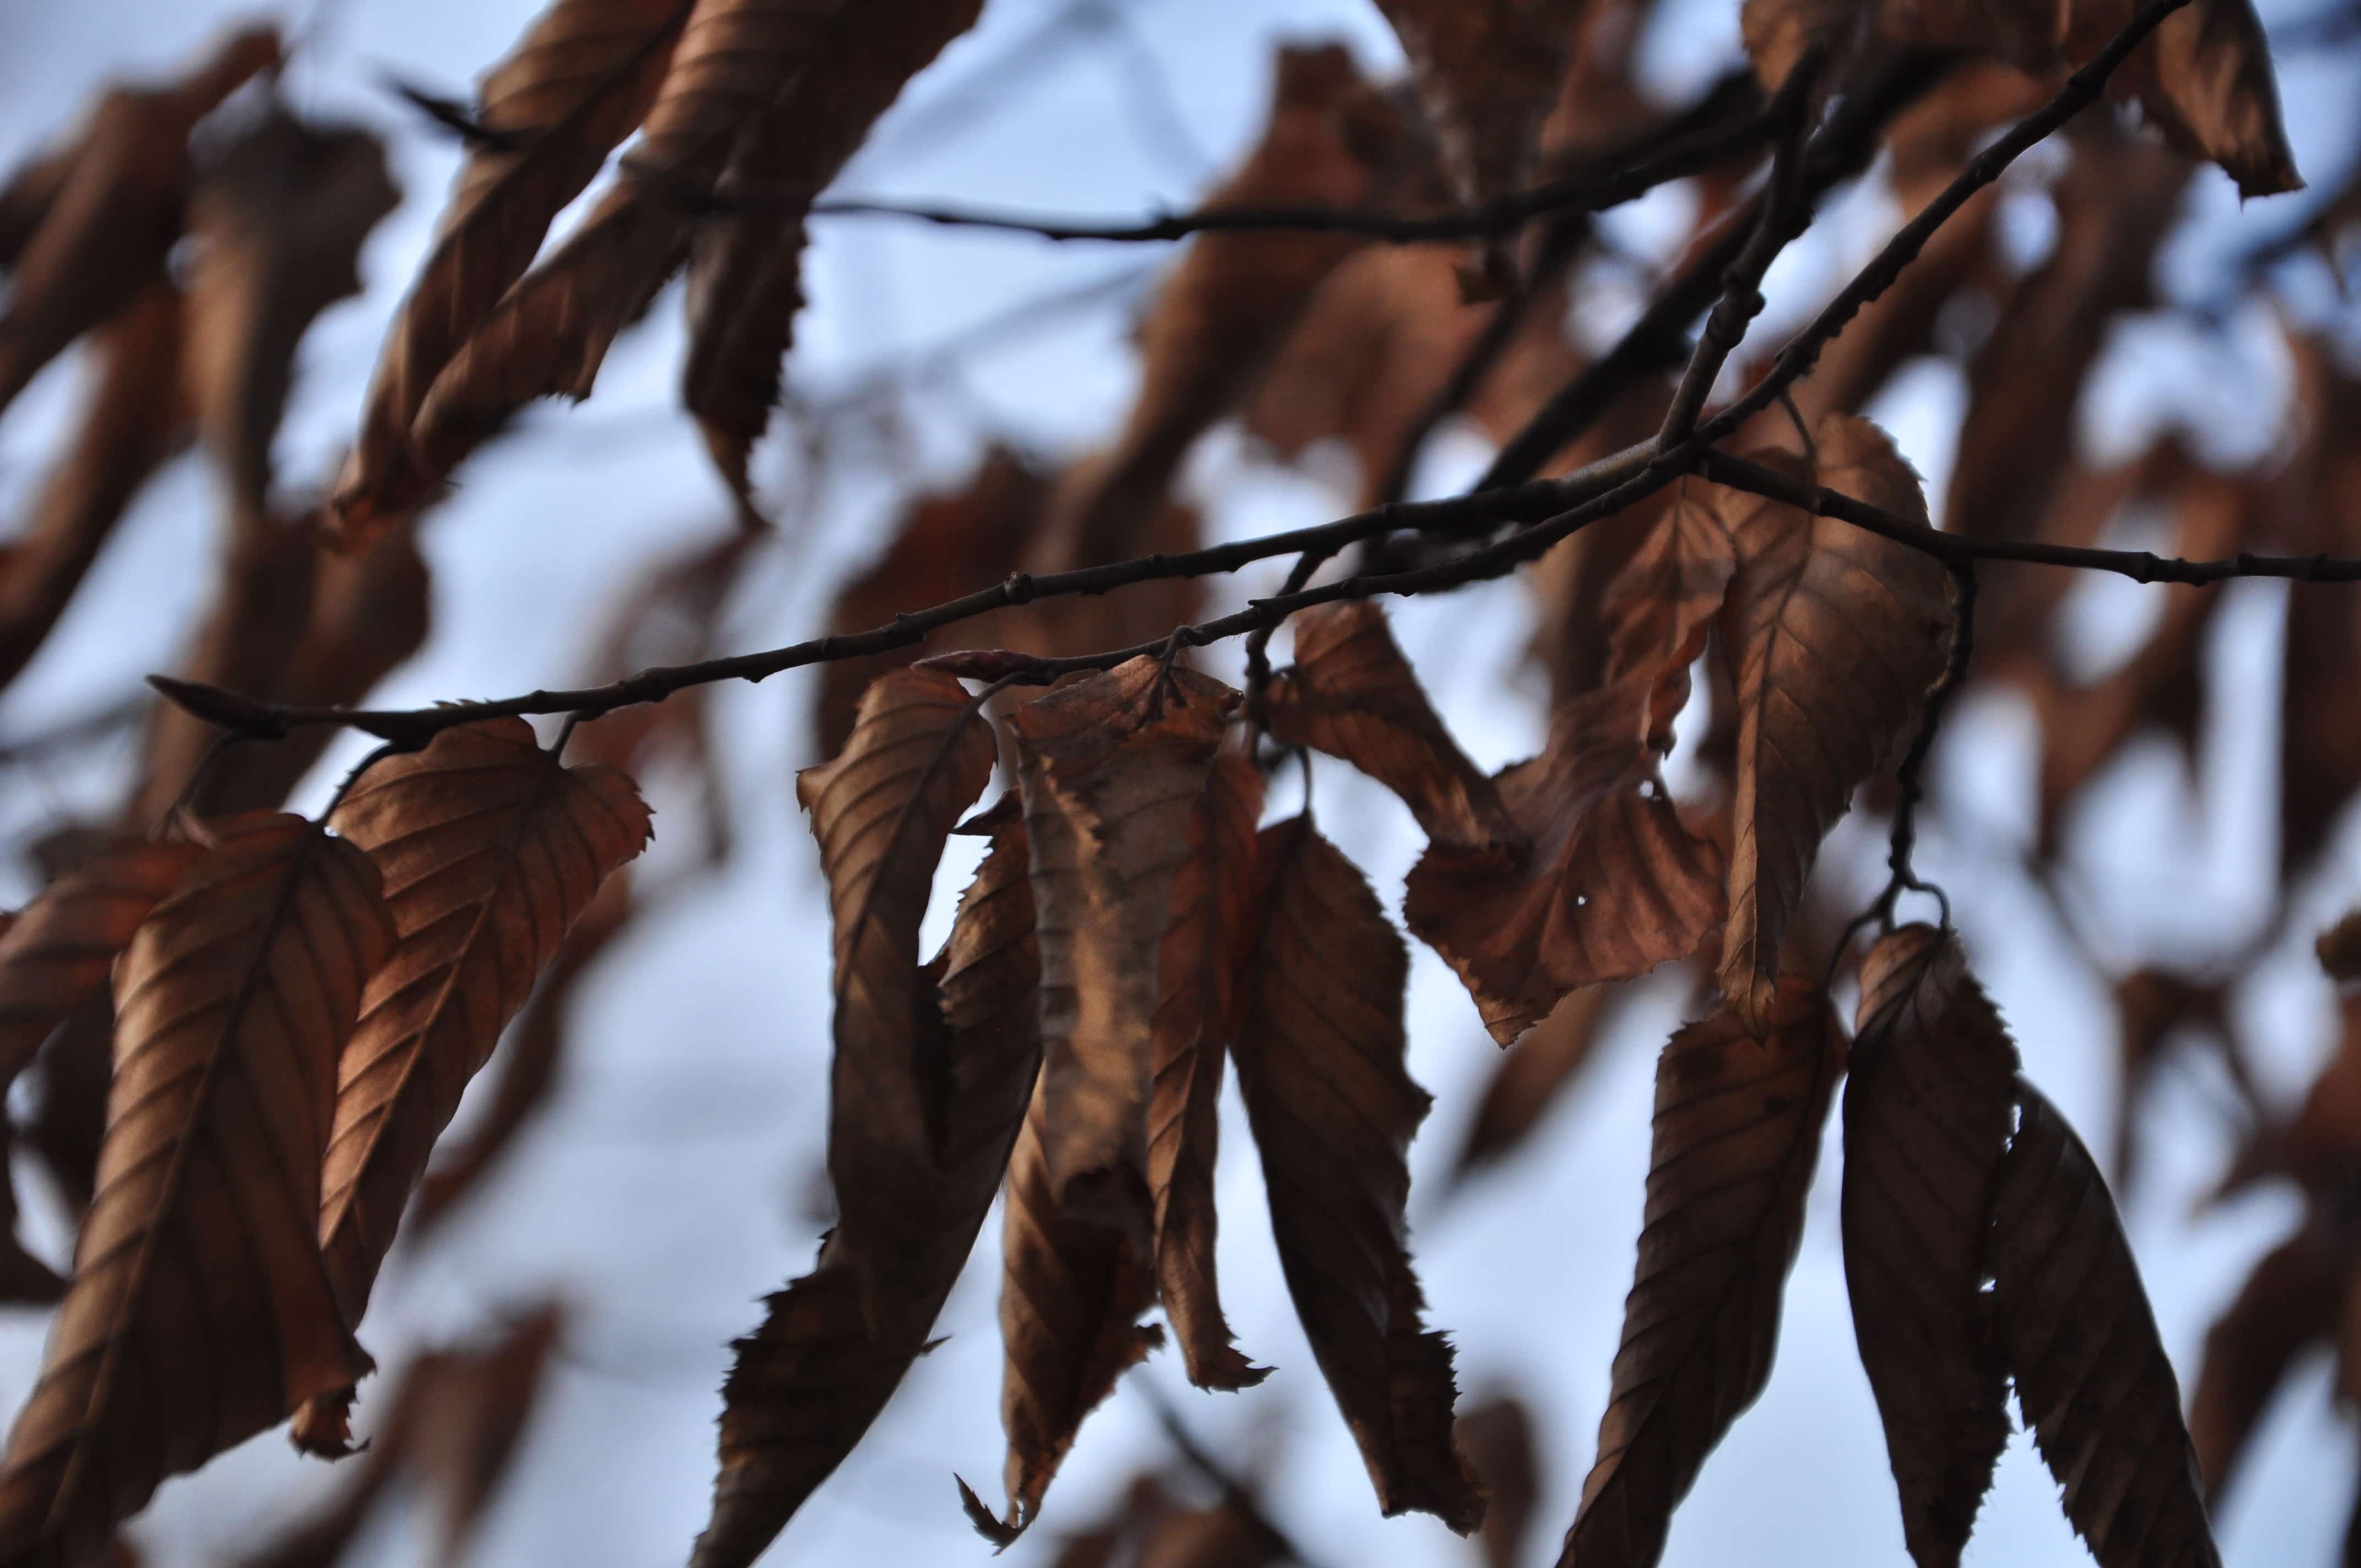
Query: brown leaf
x=808, y=1383
x=1665, y=597
x=1737, y=1133
x=105, y=235
x=1835, y=635
x=57, y=953
x=745, y=269
x=235, y=999
x=1534, y=1075
x=2092, y=1376
x=2320, y=1148
x=1614, y=886
x=1497, y=1437
x=1197, y=969
x=1352, y=695
x=278, y=222
x=1319, y=1050
x=1071, y=1294
x=1925, y=1123
x=25, y=1281
x=31, y=191
x=1111, y=768
x=489, y=850
x=548, y=334
x=2205, y=79
x=2319, y=752
x=75, y=1070
x=133, y=421
x=2153, y=1006
x=881, y=810
x=2293, y=1299
x=579, y=82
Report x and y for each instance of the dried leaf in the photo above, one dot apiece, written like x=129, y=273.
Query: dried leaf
x=745, y=269
x=1111, y=768
x=546, y=336
x=1737, y=1132
x=1926, y=1123
x=278, y=220
x=1319, y=1050
x=1071, y=1296
x=1836, y=635
x=1664, y=598
x=808, y=1382
x=1614, y=886
x=881, y=810
x=2092, y=1376
x=1197, y=976
x=579, y=82
x=489, y=850
x=57, y=954
x=104, y=237
x=1352, y=695
x=236, y=997
x=2293, y=1299
x=133, y=421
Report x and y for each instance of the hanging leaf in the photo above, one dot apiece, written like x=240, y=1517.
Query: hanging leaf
x=1739, y=1109
x=2092, y=1376
x=1197, y=976
x=1925, y=1123
x=548, y=334
x=579, y=82
x=881, y=810
x=2293, y=1299
x=1836, y=635
x=57, y=953
x=1320, y=1050
x=745, y=269
x=1111, y=767
x=1352, y=695
x=104, y=237
x=490, y=851
x=1664, y=598
x=808, y=1383
x=1071, y=1294
x=1613, y=886
x=235, y=999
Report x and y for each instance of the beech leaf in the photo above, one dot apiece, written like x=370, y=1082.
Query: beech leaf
x=2294, y=1299
x=1739, y=1108
x=1320, y=1048
x=489, y=850
x=579, y=82
x=921, y=753
x=2092, y=1376
x=808, y=1382
x=235, y=999
x=1213, y=893
x=1836, y=635
x=1111, y=768
x=1926, y=1123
